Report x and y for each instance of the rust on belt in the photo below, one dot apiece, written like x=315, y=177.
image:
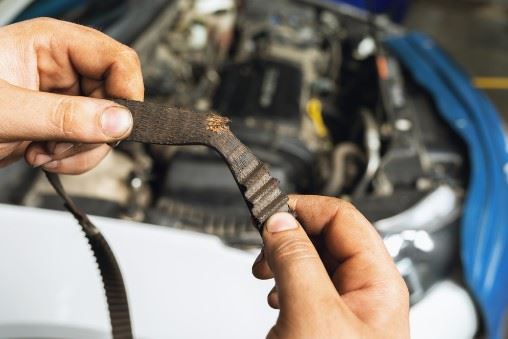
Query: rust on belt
x=216, y=123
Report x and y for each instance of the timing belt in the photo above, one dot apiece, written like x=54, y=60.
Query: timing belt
x=158, y=124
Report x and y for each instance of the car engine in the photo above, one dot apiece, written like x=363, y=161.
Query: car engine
x=312, y=91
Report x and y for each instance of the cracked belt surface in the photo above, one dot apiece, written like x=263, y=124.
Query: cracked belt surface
x=157, y=124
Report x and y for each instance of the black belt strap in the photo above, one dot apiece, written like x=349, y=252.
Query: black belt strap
x=112, y=279
x=156, y=124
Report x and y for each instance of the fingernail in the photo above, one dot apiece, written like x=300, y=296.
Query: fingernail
x=41, y=159
x=62, y=147
x=281, y=222
x=51, y=164
x=116, y=121
x=259, y=257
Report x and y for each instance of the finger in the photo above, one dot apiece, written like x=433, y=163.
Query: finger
x=94, y=88
x=260, y=268
x=76, y=164
x=68, y=89
x=91, y=53
x=6, y=152
x=347, y=232
x=11, y=152
x=38, y=116
x=301, y=279
x=41, y=153
x=54, y=147
x=273, y=298
x=351, y=240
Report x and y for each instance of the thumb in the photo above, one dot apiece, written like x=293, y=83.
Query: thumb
x=39, y=116
x=300, y=276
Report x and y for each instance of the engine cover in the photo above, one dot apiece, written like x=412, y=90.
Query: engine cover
x=265, y=89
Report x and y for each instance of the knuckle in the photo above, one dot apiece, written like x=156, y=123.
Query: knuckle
x=348, y=210
x=395, y=290
x=63, y=117
x=339, y=205
x=292, y=249
x=44, y=21
x=131, y=55
x=345, y=205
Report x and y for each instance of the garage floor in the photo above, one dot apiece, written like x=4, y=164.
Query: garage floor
x=475, y=34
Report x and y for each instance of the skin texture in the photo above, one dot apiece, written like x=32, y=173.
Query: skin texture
x=52, y=76
x=333, y=276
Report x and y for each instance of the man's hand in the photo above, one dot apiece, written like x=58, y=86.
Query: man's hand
x=52, y=76
x=339, y=283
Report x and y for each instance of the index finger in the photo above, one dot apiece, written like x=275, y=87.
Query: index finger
x=346, y=230
x=365, y=276
x=350, y=238
x=93, y=55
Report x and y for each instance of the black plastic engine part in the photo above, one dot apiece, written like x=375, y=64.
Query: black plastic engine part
x=260, y=88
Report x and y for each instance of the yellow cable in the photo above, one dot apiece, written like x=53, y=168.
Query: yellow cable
x=491, y=82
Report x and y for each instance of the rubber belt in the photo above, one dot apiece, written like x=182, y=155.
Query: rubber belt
x=157, y=124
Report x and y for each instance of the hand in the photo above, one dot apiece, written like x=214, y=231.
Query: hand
x=45, y=64
x=339, y=283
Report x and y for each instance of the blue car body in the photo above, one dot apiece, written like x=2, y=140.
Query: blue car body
x=484, y=232
x=396, y=9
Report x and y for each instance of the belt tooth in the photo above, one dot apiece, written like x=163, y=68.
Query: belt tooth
x=268, y=198
x=259, y=191
x=253, y=171
x=264, y=212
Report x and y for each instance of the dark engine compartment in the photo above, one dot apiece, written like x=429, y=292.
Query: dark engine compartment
x=312, y=90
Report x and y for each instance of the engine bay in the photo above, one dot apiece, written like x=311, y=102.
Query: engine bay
x=315, y=94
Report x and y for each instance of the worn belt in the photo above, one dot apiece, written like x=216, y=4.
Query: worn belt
x=157, y=124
